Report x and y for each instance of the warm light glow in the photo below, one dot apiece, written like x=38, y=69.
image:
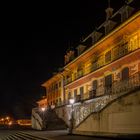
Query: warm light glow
x=10, y=123
x=7, y=118
x=43, y=109
x=71, y=101
x=24, y=122
x=2, y=119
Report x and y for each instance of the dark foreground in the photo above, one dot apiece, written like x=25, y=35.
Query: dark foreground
x=42, y=135
x=26, y=133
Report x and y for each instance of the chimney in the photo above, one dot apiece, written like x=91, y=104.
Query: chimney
x=125, y=12
x=109, y=24
x=109, y=11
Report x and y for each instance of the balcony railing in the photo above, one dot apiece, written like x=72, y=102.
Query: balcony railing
x=95, y=104
x=80, y=74
x=116, y=54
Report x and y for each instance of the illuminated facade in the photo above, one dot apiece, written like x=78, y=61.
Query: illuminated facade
x=110, y=57
x=54, y=90
x=42, y=102
x=104, y=68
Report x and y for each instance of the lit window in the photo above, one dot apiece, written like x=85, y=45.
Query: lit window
x=108, y=57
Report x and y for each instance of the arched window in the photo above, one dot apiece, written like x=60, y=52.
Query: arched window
x=125, y=73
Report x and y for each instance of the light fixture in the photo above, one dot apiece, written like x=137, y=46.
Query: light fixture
x=71, y=101
x=43, y=109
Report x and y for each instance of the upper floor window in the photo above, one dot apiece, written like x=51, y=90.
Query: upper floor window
x=80, y=71
x=133, y=43
x=100, y=62
x=108, y=56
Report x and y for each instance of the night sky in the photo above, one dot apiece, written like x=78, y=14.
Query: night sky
x=34, y=39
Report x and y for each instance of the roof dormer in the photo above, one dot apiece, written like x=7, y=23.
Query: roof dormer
x=125, y=12
x=69, y=56
x=80, y=49
x=95, y=36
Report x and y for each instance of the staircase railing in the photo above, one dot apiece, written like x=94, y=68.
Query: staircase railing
x=37, y=121
x=83, y=109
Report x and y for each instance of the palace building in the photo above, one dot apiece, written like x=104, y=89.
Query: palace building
x=54, y=90
x=112, y=57
x=104, y=67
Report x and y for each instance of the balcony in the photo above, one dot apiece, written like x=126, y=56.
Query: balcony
x=67, y=81
x=117, y=53
x=79, y=74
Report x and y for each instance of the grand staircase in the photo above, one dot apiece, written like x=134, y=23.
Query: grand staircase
x=47, y=121
x=53, y=122
x=85, y=108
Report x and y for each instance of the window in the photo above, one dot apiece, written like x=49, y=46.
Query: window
x=108, y=84
x=100, y=61
x=80, y=71
x=133, y=44
x=69, y=95
x=75, y=93
x=56, y=86
x=108, y=57
x=60, y=84
x=94, y=85
x=116, y=53
x=125, y=73
x=81, y=91
x=123, y=49
x=108, y=81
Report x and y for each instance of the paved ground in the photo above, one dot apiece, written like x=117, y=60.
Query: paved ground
x=52, y=135
x=62, y=135
x=5, y=133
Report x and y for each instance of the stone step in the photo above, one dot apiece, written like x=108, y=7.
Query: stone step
x=24, y=136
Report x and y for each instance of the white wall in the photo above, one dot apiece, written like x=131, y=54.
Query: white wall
x=121, y=116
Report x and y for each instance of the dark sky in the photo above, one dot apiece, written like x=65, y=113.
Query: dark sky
x=34, y=38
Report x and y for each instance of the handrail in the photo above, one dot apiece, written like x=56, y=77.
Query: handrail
x=88, y=106
x=34, y=114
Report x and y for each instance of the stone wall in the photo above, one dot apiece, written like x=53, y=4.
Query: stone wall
x=120, y=116
x=64, y=113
